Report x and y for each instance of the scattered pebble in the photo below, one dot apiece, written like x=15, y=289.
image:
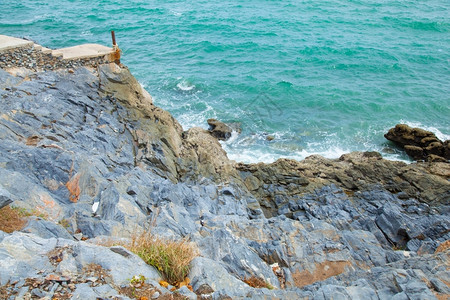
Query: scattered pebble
x=156, y=295
x=36, y=60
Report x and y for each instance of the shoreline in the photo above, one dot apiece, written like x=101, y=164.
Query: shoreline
x=18, y=52
x=74, y=139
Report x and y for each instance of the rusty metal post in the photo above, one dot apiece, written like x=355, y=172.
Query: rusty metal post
x=113, y=36
x=115, y=56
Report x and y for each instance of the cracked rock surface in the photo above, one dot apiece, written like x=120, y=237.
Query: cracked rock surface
x=358, y=227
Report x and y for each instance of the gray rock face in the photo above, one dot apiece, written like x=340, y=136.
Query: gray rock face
x=5, y=197
x=208, y=272
x=60, y=260
x=46, y=229
x=92, y=152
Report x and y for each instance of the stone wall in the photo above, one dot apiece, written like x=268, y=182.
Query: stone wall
x=31, y=58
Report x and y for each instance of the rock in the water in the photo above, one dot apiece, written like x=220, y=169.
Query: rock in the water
x=219, y=129
x=418, y=143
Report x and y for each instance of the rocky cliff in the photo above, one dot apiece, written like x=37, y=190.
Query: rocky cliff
x=359, y=227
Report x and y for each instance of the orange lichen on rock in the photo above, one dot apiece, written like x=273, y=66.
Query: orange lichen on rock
x=73, y=187
x=45, y=207
x=47, y=201
x=185, y=283
x=443, y=246
x=163, y=283
x=323, y=271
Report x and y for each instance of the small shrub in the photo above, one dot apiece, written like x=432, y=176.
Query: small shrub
x=137, y=280
x=171, y=258
x=11, y=219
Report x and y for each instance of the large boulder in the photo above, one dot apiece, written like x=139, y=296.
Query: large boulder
x=418, y=143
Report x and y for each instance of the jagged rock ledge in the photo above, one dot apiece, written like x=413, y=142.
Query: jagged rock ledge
x=359, y=227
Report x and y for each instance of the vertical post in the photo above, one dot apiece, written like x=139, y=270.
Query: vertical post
x=113, y=36
x=116, y=54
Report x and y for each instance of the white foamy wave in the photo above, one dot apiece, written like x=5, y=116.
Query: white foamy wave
x=190, y=119
x=30, y=21
x=439, y=134
x=143, y=85
x=397, y=157
x=185, y=86
x=234, y=136
x=86, y=33
x=176, y=13
x=251, y=156
x=259, y=154
x=334, y=152
x=258, y=148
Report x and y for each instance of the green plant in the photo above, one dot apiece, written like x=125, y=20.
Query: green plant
x=171, y=258
x=137, y=280
x=269, y=286
x=135, y=283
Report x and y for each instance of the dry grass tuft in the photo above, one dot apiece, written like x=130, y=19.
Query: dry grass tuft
x=257, y=282
x=11, y=219
x=171, y=258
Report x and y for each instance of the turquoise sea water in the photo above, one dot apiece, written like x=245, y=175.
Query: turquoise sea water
x=320, y=76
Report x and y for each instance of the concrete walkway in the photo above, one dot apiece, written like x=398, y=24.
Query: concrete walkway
x=83, y=51
x=70, y=53
x=8, y=42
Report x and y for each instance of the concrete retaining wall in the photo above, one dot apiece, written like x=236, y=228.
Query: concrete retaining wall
x=21, y=53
